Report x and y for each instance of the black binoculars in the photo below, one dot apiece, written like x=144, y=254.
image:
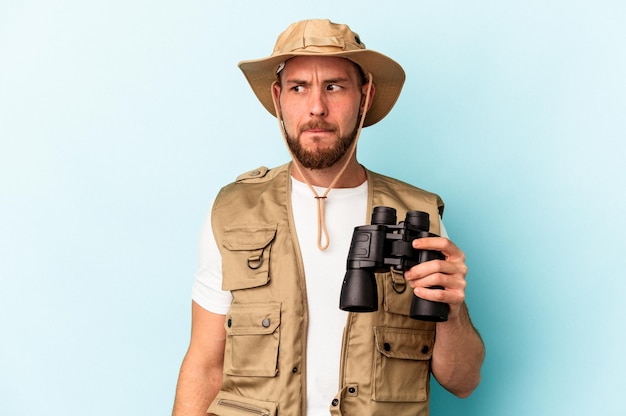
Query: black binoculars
x=384, y=244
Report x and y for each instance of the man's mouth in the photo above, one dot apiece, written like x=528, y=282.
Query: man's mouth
x=318, y=128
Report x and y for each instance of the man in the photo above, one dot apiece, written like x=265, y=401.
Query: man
x=267, y=334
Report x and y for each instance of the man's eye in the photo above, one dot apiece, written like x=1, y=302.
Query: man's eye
x=333, y=87
x=297, y=88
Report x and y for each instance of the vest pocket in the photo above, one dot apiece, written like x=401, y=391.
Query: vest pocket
x=246, y=260
x=252, y=339
x=228, y=404
x=402, y=364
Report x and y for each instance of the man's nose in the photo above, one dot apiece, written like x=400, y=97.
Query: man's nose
x=317, y=103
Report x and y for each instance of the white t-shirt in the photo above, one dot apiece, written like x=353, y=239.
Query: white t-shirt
x=345, y=209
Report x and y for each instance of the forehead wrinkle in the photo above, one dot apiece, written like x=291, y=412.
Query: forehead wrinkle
x=330, y=80
x=332, y=69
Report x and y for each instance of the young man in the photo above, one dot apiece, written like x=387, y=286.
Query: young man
x=267, y=334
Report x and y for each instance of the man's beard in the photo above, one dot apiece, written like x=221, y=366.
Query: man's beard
x=320, y=158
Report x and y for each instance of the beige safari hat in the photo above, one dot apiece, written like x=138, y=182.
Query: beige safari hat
x=325, y=38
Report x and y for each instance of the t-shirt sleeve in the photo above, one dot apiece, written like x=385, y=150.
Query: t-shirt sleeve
x=207, y=286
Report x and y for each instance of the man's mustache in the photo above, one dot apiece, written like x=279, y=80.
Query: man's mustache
x=322, y=125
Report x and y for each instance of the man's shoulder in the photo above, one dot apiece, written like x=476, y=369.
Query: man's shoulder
x=261, y=174
x=383, y=180
x=402, y=191
x=254, y=181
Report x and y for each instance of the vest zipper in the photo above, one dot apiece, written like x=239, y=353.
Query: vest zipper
x=244, y=407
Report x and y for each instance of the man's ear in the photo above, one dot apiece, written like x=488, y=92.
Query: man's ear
x=364, y=94
x=276, y=94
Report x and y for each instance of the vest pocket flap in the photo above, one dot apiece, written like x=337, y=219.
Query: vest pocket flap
x=407, y=344
x=244, y=238
x=228, y=404
x=253, y=318
x=252, y=339
x=402, y=365
x=246, y=258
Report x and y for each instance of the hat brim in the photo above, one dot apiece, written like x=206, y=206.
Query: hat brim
x=387, y=74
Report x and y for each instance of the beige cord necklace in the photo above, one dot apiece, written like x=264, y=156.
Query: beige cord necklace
x=322, y=232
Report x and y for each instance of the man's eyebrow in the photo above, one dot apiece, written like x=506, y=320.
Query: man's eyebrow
x=337, y=80
x=296, y=81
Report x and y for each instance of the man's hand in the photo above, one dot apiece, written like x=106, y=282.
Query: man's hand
x=449, y=274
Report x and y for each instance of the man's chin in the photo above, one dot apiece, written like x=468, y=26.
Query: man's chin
x=318, y=161
x=315, y=158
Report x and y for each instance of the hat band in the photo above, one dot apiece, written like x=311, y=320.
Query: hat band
x=319, y=45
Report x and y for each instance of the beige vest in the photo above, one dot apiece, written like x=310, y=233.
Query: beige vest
x=385, y=362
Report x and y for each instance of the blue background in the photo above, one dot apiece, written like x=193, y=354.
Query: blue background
x=119, y=120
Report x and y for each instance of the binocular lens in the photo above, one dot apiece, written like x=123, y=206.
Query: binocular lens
x=383, y=216
x=418, y=219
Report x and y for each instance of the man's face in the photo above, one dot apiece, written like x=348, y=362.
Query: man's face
x=320, y=99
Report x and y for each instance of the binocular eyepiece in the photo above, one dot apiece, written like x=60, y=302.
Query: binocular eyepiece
x=384, y=244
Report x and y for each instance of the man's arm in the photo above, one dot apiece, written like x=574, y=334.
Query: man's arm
x=458, y=355
x=201, y=371
x=459, y=351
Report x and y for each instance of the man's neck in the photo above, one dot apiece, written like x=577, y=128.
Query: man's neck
x=353, y=176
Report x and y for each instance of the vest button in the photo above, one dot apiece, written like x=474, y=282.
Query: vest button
x=425, y=349
x=230, y=322
x=351, y=390
x=266, y=323
x=294, y=370
x=386, y=346
x=335, y=402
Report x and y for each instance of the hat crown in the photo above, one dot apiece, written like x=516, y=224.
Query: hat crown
x=317, y=36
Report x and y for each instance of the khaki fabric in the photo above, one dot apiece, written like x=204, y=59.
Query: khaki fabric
x=385, y=363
